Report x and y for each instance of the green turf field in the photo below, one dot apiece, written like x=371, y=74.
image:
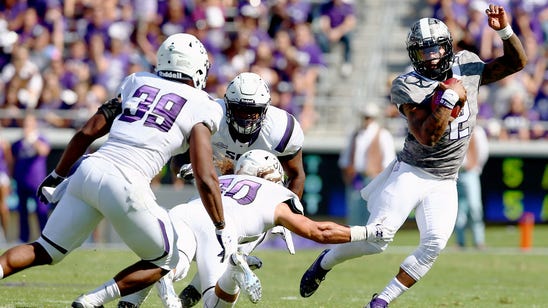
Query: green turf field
x=500, y=276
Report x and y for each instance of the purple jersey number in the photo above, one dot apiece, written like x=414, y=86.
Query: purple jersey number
x=252, y=188
x=164, y=113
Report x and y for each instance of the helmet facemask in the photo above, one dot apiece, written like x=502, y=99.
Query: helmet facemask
x=245, y=120
x=430, y=48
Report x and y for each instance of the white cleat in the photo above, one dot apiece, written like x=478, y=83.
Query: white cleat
x=166, y=292
x=248, y=282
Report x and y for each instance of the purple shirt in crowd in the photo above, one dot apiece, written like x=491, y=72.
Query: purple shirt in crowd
x=29, y=168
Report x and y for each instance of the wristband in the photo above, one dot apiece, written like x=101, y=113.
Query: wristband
x=449, y=98
x=220, y=224
x=505, y=33
x=358, y=233
x=55, y=175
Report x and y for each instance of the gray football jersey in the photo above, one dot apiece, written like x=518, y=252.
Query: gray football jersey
x=445, y=157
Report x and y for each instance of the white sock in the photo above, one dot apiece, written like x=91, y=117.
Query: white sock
x=393, y=290
x=227, y=284
x=1, y=272
x=107, y=292
x=213, y=301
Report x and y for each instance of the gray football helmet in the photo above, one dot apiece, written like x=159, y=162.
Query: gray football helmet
x=430, y=48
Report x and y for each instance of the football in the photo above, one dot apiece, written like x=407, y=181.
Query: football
x=437, y=97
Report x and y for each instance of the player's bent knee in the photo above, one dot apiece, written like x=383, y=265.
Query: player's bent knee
x=49, y=252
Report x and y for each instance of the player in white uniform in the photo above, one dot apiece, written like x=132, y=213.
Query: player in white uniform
x=250, y=123
x=159, y=115
x=422, y=178
x=255, y=200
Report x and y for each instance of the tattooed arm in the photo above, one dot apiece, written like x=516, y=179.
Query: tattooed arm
x=514, y=57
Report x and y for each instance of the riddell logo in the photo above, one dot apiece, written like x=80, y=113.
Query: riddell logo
x=170, y=74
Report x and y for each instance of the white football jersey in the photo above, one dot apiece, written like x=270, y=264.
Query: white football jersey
x=249, y=203
x=155, y=124
x=280, y=134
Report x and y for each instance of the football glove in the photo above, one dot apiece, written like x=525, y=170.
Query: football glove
x=286, y=236
x=52, y=180
x=228, y=243
x=53, y=195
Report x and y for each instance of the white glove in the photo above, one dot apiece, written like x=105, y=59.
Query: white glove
x=228, y=243
x=54, y=194
x=286, y=236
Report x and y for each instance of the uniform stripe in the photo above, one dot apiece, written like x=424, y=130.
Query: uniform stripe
x=287, y=134
x=61, y=249
x=425, y=28
x=166, y=241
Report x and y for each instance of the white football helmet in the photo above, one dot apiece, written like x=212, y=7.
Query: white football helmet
x=424, y=42
x=262, y=164
x=181, y=57
x=247, y=98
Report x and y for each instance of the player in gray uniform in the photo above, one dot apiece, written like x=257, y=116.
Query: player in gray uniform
x=255, y=201
x=423, y=177
x=158, y=115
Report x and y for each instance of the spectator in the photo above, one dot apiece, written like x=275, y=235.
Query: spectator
x=337, y=21
x=517, y=121
x=470, y=209
x=368, y=152
x=306, y=75
x=30, y=167
x=6, y=163
x=22, y=80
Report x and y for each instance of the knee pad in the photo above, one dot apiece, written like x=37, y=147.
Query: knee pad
x=56, y=252
x=422, y=259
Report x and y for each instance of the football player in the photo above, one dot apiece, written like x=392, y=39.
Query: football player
x=423, y=177
x=255, y=201
x=250, y=122
x=158, y=116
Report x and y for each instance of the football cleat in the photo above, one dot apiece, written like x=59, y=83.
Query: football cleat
x=82, y=302
x=124, y=304
x=376, y=302
x=190, y=296
x=166, y=292
x=313, y=276
x=248, y=282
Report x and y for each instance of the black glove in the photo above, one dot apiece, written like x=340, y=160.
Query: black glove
x=52, y=180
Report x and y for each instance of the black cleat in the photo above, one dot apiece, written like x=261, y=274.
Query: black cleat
x=313, y=276
x=190, y=296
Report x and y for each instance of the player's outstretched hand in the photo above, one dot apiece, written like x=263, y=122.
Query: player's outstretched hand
x=52, y=180
x=228, y=243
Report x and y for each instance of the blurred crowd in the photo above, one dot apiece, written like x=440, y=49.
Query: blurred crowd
x=515, y=108
x=60, y=60
x=64, y=58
